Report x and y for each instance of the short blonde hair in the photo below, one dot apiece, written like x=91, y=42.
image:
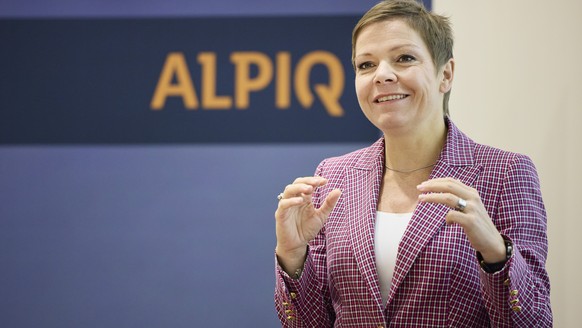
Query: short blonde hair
x=435, y=30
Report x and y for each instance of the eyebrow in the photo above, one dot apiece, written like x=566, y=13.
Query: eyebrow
x=395, y=48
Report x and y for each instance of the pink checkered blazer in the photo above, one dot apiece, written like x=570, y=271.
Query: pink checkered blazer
x=437, y=280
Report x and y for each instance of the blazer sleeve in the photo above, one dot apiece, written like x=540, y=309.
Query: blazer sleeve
x=519, y=294
x=305, y=302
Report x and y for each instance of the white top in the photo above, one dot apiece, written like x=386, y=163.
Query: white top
x=388, y=232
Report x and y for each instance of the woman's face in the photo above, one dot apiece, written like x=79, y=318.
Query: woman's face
x=398, y=87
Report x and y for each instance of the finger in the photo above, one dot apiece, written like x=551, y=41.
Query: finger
x=286, y=206
x=330, y=202
x=447, y=199
x=297, y=189
x=304, y=186
x=456, y=217
x=287, y=203
x=445, y=185
x=315, y=181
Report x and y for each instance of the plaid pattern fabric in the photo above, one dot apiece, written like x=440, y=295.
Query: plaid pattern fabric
x=437, y=280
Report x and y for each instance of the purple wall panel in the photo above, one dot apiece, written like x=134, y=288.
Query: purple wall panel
x=149, y=8
x=146, y=236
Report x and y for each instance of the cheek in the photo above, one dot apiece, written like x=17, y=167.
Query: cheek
x=421, y=85
x=362, y=89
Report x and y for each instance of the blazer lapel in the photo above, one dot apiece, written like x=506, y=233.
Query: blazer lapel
x=361, y=191
x=456, y=161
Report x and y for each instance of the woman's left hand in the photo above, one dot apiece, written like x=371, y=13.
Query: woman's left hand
x=473, y=217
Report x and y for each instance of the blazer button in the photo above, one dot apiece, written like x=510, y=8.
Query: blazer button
x=516, y=308
x=514, y=301
x=380, y=326
x=514, y=292
x=293, y=295
x=507, y=282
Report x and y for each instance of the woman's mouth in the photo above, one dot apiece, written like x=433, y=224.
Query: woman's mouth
x=389, y=98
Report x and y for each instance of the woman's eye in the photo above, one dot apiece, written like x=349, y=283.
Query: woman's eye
x=406, y=59
x=365, y=65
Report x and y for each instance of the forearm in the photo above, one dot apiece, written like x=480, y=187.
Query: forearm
x=291, y=262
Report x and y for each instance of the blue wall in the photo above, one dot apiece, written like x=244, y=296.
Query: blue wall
x=124, y=234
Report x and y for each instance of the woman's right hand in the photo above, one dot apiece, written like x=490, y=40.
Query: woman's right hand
x=298, y=221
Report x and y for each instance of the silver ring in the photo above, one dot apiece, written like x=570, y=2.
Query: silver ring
x=461, y=204
x=280, y=196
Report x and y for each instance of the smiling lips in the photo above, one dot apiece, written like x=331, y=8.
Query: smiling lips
x=390, y=97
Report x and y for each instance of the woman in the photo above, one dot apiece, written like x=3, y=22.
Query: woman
x=424, y=228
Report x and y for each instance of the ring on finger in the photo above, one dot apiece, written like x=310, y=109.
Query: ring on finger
x=461, y=205
x=280, y=196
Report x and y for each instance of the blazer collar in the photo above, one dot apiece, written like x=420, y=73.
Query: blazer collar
x=372, y=157
x=458, y=149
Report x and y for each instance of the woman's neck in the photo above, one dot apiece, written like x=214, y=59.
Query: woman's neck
x=406, y=152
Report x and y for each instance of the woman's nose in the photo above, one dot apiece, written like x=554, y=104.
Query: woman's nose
x=385, y=74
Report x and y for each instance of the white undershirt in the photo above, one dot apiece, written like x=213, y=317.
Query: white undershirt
x=388, y=232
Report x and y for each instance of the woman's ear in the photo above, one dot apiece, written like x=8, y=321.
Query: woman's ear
x=447, y=77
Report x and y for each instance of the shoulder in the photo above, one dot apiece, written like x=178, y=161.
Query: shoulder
x=497, y=164
x=493, y=157
x=506, y=170
x=462, y=148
